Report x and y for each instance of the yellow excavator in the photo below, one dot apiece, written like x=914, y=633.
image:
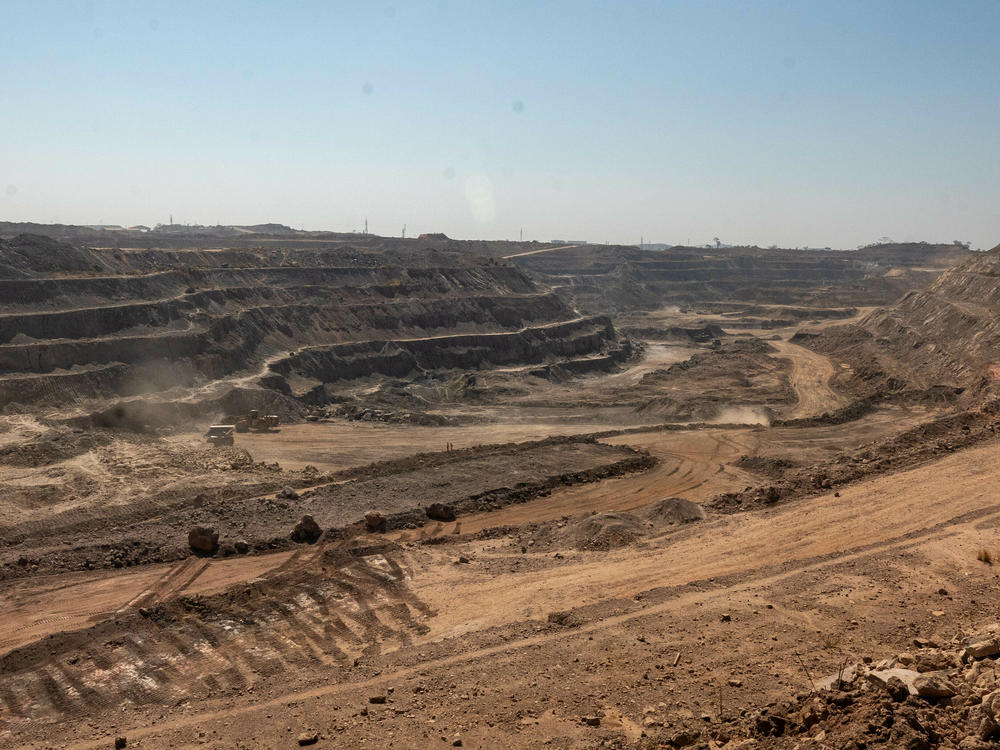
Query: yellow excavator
x=255, y=421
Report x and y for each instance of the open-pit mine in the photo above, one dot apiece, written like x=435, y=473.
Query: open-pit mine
x=268, y=488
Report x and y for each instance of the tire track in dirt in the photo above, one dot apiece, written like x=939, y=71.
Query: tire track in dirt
x=689, y=467
x=295, y=618
x=679, y=596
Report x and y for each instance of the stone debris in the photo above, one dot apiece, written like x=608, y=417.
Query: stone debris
x=936, y=697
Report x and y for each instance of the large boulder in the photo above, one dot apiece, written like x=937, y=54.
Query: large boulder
x=306, y=530
x=440, y=512
x=203, y=539
x=375, y=522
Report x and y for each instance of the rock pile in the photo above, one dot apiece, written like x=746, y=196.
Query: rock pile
x=936, y=697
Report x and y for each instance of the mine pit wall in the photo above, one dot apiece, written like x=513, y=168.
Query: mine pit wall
x=231, y=339
x=210, y=323
x=356, y=307
x=945, y=335
x=47, y=293
x=398, y=358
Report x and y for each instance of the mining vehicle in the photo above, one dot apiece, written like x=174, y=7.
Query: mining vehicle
x=220, y=434
x=256, y=421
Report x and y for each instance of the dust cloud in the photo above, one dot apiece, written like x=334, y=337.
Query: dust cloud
x=742, y=415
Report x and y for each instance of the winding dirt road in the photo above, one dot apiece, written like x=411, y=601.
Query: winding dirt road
x=810, y=377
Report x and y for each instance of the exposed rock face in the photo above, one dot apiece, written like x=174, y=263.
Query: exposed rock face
x=203, y=539
x=400, y=357
x=945, y=334
x=621, y=278
x=91, y=323
x=306, y=530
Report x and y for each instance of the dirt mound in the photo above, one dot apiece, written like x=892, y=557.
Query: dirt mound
x=52, y=446
x=603, y=531
x=671, y=511
x=768, y=466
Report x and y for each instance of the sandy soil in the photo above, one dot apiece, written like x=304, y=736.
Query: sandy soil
x=448, y=627
x=810, y=377
x=836, y=574
x=342, y=444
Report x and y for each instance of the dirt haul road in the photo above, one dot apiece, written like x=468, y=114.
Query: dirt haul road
x=810, y=377
x=878, y=551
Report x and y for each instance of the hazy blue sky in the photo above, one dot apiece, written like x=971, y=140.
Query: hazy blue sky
x=820, y=123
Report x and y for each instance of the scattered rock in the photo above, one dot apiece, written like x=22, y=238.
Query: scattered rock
x=288, y=493
x=933, y=660
x=933, y=685
x=380, y=698
x=306, y=530
x=203, y=539
x=120, y=742
x=308, y=738
x=838, y=680
x=241, y=546
x=882, y=677
x=375, y=522
x=591, y=721
x=684, y=738
x=897, y=689
x=981, y=646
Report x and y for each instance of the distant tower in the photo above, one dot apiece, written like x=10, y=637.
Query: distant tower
x=171, y=219
x=366, y=226
x=404, y=231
